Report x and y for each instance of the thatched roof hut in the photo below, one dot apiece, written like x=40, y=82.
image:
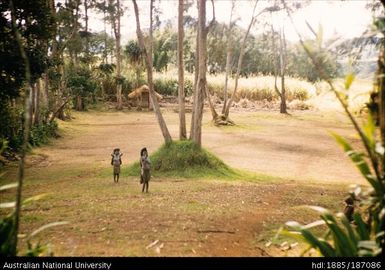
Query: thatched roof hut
x=138, y=92
x=141, y=97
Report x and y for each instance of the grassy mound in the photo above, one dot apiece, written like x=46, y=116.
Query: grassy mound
x=185, y=159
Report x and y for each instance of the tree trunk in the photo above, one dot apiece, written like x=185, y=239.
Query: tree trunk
x=228, y=70
x=105, y=54
x=36, y=119
x=275, y=61
x=79, y=103
x=118, y=60
x=46, y=95
x=148, y=60
x=32, y=106
x=196, y=73
x=196, y=135
x=228, y=59
x=282, y=61
x=76, y=19
x=181, y=93
x=240, y=59
x=86, y=26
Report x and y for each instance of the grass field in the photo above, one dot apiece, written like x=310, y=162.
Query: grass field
x=290, y=162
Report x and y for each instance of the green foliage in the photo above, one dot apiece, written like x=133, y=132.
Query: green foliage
x=185, y=159
x=10, y=119
x=342, y=238
x=299, y=63
x=259, y=56
x=8, y=228
x=12, y=130
x=134, y=53
x=106, y=69
x=169, y=87
x=80, y=81
x=35, y=36
x=365, y=237
x=40, y=134
x=164, y=49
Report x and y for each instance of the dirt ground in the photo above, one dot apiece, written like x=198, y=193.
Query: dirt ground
x=299, y=163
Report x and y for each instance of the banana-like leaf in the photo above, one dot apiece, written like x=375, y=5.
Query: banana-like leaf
x=349, y=229
x=294, y=224
x=302, y=233
x=293, y=234
x=314, y=224
x=369, y=129
x=34, y=198
x=49, y=225
x=369, y=248
x=324, y=247
x=9, y=186
x=341, y=239
x=361, y=227
x=349, y=80
x=359, y=161
x=319, y=209
x=8, y=205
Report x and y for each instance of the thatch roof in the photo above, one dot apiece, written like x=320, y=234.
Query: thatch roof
x=144, y=88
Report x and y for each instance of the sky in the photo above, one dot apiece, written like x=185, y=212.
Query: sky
x=345, y=19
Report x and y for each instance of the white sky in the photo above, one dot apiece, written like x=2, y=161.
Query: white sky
x=342, y=18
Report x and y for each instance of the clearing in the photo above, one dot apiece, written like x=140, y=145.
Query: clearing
x=296, y=160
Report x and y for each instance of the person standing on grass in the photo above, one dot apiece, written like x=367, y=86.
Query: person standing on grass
x=145, y=172
x=116, y=161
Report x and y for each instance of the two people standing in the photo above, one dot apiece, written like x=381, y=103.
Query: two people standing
x=145, y=167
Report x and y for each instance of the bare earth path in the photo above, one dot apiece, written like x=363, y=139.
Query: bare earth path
x=299, y=161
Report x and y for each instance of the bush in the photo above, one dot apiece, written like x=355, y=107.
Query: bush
x=169, y=87
x=185, y=159
x=40, y=134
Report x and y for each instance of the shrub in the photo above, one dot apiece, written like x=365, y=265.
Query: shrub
x=169, y=87
x=185, y=159
x=41, y=133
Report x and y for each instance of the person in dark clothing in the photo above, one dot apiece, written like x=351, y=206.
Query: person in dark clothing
x=145, y=173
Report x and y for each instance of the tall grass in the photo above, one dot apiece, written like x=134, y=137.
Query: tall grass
x=254, y=88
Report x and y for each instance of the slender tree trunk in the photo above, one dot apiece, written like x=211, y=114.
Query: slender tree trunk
x=196, y=135
x=196, y=73
x=46, y=92
x=275, y=61
x=118, y=60
x=32, y=94
x=86, y=26
x=283, y=68
x=240, y=59
x=228, y=59
x=105, y=54
x=148, y=60
x=26, y=128
x=76, y=25
x=36, y=120
x=228, y=70
x=181, y=93
x=79, y=103
x=214, y=113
